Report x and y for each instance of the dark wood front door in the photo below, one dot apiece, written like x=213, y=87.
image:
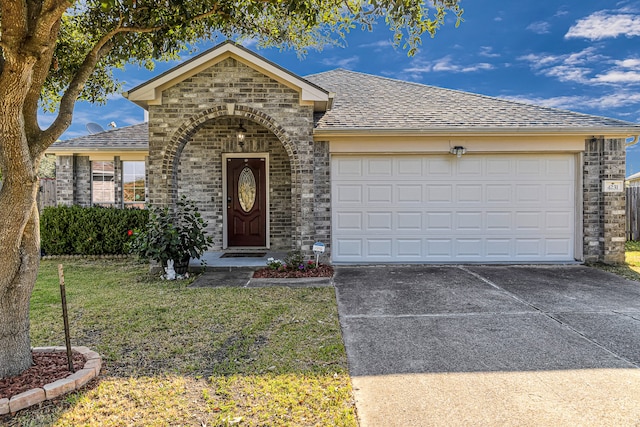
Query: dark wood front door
x=246, y=202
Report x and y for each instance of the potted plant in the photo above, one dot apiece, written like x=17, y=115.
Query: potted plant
x=176, y=234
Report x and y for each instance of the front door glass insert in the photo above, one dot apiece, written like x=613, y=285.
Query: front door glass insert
x=246, y=189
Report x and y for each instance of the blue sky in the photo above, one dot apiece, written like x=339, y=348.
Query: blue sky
x=577, y=55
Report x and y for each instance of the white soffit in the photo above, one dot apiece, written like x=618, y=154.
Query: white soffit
x=150, y=93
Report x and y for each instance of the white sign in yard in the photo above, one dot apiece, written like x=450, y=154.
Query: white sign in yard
x=318, y=249
x=611, y=186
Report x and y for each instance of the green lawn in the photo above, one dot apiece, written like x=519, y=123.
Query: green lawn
x=631, y=268
x=202, y=357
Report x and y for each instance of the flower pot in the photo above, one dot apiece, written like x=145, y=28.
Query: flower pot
x=182, y=266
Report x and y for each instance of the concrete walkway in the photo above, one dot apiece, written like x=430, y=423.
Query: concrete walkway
x=491, y=345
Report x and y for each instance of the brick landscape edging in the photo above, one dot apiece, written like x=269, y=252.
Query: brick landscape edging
x=91, y=369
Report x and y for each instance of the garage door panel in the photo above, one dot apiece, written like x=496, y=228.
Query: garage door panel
x=440, y=248
x=409, y=193
x=469, y=221
x=349, y=249
x=439, y=221
x=469, y=193
x=558, y=247
x=558, y=193
x=499, y=248
x=379, y=194
x=469, y=248
x=409, y=248
x=469, y=167
x=379, y=248
x=379, y=221
x=559, y=168
x=380, y=167
x=444, y=209
x=409, y=221
x=499, y=167
x=410, y=167
x=349, y=221
x=529, y=193
x=558, y=221
x=440, y=193
x=349, y=194
x=499, y=221
x=530, y=221
x=498, y=193
x=532, y=167
x=528, y=247
x=439, y=166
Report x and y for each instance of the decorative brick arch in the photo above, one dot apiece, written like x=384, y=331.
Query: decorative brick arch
x=173, y=150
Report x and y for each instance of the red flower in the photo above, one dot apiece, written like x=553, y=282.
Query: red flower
x=129, y=232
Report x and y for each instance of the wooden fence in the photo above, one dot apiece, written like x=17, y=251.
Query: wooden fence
x=47, y=193
x=633, y=213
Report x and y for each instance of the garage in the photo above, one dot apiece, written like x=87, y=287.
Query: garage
x=442, y=208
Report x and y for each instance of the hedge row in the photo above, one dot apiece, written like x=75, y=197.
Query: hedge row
x=74, y=230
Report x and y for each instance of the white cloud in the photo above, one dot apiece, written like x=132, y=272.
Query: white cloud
x=606, y=24
x=616, y=76
x=579, y=67
x=487, y=51
x=629, y=63
x=619, y=99
x=568, y=73
x=341, y=62
x=445, y=64
x=540, y=27
x=378, y=44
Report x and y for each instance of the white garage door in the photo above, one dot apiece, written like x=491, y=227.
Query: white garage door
x=439, y=208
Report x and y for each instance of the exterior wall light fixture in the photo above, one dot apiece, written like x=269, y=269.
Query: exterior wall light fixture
x=458, y=150
x=241, y=133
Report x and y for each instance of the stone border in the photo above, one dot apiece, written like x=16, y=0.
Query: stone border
x=91, y=369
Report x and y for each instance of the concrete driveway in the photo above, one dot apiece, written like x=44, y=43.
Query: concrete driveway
x=491, y=345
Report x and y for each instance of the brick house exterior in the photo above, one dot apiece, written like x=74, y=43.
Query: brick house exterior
x=314, y=133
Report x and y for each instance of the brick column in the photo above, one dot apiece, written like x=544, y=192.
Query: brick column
x=64, y=180
x=604, y=213
x=322, y=193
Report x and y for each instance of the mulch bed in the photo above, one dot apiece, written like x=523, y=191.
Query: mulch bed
x=320, y=271
x=47, y=367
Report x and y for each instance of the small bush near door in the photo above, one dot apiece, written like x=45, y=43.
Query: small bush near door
x=76, y=230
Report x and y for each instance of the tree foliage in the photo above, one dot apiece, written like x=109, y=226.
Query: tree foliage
x=54, y=52
x=143, y=31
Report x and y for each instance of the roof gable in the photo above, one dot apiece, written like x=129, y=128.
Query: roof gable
x=150, y=93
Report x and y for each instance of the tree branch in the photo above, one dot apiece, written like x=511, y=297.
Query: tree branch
x=100, y=49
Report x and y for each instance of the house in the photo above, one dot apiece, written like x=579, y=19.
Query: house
x=633, y=180
x=381, y=170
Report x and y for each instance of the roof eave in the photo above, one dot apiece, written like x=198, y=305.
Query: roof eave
x=81, y=149
x=622, y=132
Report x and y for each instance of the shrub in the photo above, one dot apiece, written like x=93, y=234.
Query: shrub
x=172, y=233
x=76, y=230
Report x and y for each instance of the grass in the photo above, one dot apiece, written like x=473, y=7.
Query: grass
x=631, y=268
x=174, y=355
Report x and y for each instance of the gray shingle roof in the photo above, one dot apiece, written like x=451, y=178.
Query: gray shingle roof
x=128, y=138
x=364, y=101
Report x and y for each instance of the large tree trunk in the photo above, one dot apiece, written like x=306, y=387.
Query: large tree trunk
x=20, y=273
x=19, y=221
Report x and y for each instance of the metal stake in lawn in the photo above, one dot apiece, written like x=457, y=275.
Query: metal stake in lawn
x=65, y=317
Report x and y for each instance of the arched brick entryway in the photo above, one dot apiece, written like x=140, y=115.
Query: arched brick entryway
x=186, y=132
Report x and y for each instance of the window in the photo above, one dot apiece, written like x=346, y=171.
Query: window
x=133, y=176
x=102, y=184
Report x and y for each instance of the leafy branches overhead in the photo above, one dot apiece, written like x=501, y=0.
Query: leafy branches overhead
x=141, y=31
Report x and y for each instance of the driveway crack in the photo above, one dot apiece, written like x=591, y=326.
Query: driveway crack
x=550, y=316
